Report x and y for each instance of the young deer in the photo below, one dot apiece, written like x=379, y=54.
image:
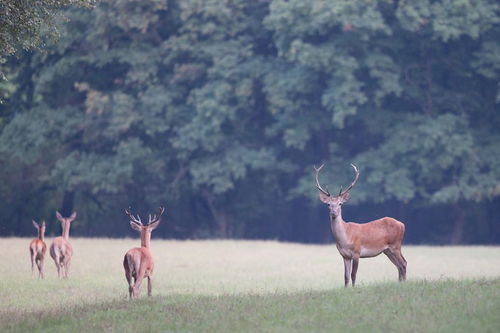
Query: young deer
x=355, y=240
x=138, y=262
x=38, y=249
x=60, y=249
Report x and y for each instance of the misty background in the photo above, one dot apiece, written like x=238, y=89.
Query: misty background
x=219, y=110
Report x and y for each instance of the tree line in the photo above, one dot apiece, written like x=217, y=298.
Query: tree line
x=220, y=109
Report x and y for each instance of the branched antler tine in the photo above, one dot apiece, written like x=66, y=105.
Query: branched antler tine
x=317, y=170
x=157, y=217
x=356, y=170
x=132, y=217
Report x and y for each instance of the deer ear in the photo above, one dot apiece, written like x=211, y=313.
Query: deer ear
x=135, y=226
x=73, y=216
x=35, y=224
x=345, y=196
x=59, y=216
x=323, y=197
x=43, y=224
x=154, y=225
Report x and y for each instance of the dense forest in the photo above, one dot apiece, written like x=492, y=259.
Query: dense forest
x=219, y=109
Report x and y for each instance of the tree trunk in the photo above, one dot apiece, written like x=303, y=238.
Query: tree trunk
x=67, y=204
x=219, y=215
x=457, y=234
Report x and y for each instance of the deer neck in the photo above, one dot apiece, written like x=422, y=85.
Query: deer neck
x=40, y=235
x=65, y=233
x=145, y=239
x=339, y=229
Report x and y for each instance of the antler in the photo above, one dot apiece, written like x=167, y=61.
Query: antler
x=317, y=170
x=356, y=170
x=156, y=217
x=132, y=217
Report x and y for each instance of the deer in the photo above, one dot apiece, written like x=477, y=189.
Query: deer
x=61, y=250
x=362, y=240
x=37, y=249
x=138, y=262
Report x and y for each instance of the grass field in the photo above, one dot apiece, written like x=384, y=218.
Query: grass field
x=251, y=286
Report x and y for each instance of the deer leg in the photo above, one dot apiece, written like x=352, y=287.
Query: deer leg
x=58, y=270
x=392, y=257
x=63, y=269
x=137, y=287
x=41, y=268
x=355, y=261
x=139, y=276
x=131, y=284
x=150, y=285
x=58, y=266
x=402, y=264
x=33, y=263
x=347, y=270
x=67, y=263
x=128, y=276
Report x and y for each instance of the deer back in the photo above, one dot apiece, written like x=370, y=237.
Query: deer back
x=38, y=247
x=139, y=261
x=383, y=232
x=61, y=247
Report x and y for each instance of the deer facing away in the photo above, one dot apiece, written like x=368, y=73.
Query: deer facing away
x=356, y=240
x=138, y=262
x=60, y=249
x=38, y=249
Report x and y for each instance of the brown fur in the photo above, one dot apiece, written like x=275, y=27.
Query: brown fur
x=386, y=231
x=37, y=250
x=138, y=262
x=356, y=240
x=61, y=250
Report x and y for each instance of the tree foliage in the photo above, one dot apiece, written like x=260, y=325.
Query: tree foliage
x=24, y=23
x=221, y=108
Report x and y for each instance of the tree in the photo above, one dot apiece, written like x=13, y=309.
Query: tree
x=407, y=97
x=221, y=108
x=23, y=24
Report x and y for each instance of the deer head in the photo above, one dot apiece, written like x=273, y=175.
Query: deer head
x=40, y=228
x=66, y=223
x=136, y=223
x=335, y=202
x=65, y=220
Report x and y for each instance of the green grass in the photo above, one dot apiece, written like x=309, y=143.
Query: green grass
x=228, y=286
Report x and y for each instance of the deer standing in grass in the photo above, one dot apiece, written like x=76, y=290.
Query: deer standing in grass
x=38, y=249
x=60, y=249
x=355, y=240
x=138, y=262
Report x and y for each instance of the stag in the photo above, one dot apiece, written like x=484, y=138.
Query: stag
x=138, y=262
x=60, y=249
x=356, y=240
x=38, y=249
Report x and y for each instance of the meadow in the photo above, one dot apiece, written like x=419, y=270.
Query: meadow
x=251, y=286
